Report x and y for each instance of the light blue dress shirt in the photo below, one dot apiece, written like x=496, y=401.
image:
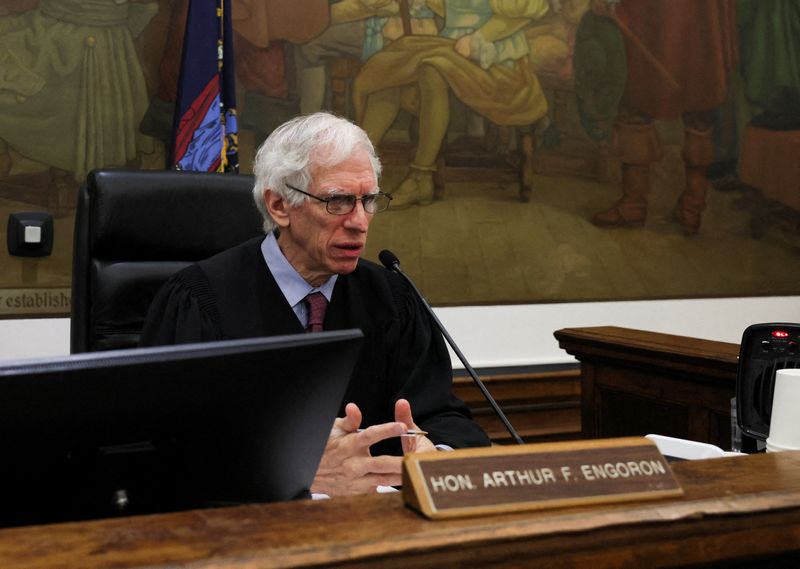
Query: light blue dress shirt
x=292, y=285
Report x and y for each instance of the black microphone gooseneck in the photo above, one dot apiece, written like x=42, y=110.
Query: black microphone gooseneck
x=391, y=262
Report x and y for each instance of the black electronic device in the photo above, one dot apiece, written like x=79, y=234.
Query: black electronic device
x=765, y=349
x=168, y=428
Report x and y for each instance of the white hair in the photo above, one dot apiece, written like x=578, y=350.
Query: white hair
x=296, y=147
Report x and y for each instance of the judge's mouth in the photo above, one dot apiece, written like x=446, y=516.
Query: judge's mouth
x=350, y=249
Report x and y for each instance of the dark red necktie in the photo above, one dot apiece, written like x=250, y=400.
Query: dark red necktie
x=317, y=303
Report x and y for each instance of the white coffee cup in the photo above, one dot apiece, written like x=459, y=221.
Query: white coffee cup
x=784, y=428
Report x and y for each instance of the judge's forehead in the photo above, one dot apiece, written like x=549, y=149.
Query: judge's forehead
x=355, y=172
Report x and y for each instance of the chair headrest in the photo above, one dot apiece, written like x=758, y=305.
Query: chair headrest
x=153, y=215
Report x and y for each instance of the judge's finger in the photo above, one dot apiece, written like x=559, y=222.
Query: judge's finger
x=402, y=413
x=384, y=480
x=350, y=422
x=378, y=433
x=357, y=468
x=352, y=417
x=417, y=444
x=384, y=464
x=369, y=483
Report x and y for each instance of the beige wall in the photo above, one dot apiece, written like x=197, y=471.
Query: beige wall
x=493, y=336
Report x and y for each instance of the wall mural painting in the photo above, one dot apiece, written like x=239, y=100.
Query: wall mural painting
x=537, y=150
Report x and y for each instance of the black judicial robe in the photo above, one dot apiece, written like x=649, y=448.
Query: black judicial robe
x=234, y=295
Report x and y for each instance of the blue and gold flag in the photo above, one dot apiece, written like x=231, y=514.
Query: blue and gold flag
x=204, y=135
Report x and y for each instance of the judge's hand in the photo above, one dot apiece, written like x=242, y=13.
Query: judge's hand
x=402, y=414
x=347, y=467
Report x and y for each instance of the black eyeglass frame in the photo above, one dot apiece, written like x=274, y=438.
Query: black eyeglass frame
x=372, y=199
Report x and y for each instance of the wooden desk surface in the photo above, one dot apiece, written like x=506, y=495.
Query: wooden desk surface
x=681, y=352
x=733, y=509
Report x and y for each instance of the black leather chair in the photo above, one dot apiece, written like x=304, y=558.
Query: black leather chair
x=133, y=229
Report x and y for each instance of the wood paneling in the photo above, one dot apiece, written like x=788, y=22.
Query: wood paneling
x=635, y=383
x=540, y=405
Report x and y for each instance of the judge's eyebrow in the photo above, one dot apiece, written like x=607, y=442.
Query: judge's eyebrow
x=334, y=191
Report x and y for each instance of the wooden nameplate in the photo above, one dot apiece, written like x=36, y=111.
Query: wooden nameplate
x=498, y=479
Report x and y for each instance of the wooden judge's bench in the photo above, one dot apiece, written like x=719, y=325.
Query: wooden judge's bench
x=743, y=511
x=740, y=511
x=635, y=382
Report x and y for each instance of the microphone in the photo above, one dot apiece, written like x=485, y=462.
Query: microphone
x=391, y=262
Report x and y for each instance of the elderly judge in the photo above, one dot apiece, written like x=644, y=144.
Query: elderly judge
x=317, y=188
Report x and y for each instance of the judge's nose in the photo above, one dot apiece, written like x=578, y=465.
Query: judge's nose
x=358, y=219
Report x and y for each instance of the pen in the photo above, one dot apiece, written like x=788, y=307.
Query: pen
x=410, y=433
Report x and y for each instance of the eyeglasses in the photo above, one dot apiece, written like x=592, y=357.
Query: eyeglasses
x=342, y=204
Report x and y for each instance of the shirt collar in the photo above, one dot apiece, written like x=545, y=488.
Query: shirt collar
x=292, y=285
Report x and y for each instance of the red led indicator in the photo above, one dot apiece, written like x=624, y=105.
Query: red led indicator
x=780, y=334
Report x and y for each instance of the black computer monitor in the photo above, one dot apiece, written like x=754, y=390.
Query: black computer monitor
x=169, y=428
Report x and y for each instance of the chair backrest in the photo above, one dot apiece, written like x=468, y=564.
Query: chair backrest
x=133, y=229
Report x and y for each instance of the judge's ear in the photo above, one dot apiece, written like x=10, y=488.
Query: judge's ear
x=278, y=207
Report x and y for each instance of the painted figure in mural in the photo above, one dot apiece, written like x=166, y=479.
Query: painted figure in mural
x=552, y=39
x=769, y=40
x=680, y=57
x=578, y=53
x=261, y=28
x=72, y=91
x=480, y=56
x=359, y=29
x=767, y=89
